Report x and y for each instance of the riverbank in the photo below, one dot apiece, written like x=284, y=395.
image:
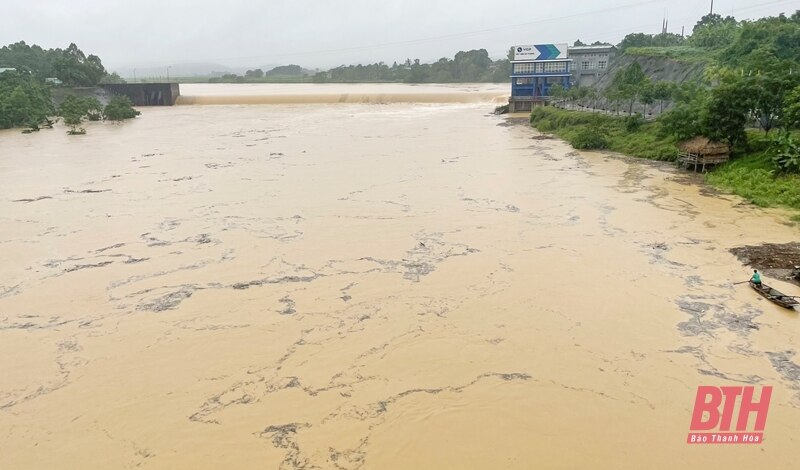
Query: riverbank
x=748, y=175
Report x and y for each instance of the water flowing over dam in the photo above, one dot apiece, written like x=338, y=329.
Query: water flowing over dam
x=379, y=93
x=371, y=286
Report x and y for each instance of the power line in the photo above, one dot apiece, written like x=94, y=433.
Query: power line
x=504, y=28
x=442, y=37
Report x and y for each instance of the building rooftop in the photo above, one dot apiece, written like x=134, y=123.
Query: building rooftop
x=601, y=47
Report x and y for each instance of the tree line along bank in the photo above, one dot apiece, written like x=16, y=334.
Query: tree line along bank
x=27, y=75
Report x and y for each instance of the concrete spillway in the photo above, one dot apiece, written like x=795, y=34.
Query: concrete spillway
x=147, y=94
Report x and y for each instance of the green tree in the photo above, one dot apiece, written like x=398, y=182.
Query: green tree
x=635, y=40
x=591, y=96
x=288, y=70
x=650, y=40
x=24, y=101
x=714, y=32
x=766, y=96
x=726, y=113
x=714, y=19
x=686, y=119
x=74, y=68
x=791, y=109
x=254, y=74
x=683, y=121
x=94, y=110
x=558, y=92
x=614, y=97
x=769, y=45
x=119, y=108
x=662, y=91
x=647, y=95
x=112, y=78
x=629, y=83
x=73, y=111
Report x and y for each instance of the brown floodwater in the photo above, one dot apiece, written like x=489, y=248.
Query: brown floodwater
x=399, y=285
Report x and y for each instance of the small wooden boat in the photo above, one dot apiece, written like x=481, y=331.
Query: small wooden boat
x=775, y=296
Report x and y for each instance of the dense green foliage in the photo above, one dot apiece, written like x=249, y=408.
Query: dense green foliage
x=73, y=110
x=766, y=45
x=466, y=66
x=283, y=73
x=713, y=32
x=600, y=131
x=785, y=152
x=587, y=138
x=791, y=109
x=120, y=108
x=723, y=112
x=24, y=101
x=70, y=65
x=25, y=98
x=749, y=97
x=650, y=40
x=749, y=82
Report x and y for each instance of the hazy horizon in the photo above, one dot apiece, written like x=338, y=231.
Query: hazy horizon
x=247, y=34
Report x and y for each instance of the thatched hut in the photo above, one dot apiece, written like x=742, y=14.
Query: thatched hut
x=701, y=151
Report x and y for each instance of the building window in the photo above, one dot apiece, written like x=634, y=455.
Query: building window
x=539, y=67
x=601, y=64
x=525, y=81
x=586, y=65
x=555, y=67
x=523, y=68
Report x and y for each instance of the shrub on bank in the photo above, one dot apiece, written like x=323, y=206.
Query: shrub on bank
x=588, y=138
x=630, y=135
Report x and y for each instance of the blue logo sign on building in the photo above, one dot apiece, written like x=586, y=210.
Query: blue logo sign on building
x=541, y=52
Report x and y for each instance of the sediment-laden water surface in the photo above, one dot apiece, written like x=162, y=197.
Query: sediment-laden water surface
x=371, y=286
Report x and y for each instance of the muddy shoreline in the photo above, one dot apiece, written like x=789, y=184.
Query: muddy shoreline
x=776, y=260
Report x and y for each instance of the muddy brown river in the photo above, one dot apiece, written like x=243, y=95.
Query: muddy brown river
x=371, y=282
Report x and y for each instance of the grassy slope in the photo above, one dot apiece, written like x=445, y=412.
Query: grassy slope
x=749, y=175
x=752, y=176
x=678, y=53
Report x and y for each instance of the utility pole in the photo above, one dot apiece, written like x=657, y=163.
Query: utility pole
x=712, y=7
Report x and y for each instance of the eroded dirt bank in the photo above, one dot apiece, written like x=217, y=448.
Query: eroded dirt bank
x=779, y=260
x=361, y=286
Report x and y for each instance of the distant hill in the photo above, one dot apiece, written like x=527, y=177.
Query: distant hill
x=196, y=69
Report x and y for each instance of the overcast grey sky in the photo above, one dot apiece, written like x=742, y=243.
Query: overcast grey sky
x=318, y=33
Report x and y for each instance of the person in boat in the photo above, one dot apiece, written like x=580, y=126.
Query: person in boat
x=756, y=279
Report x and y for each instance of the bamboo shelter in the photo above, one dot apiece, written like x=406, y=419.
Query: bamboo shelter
x=701, y=151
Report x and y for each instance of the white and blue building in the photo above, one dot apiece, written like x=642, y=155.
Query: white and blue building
x=534, y=70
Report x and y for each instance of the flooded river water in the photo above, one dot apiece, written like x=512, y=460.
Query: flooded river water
x=401, y=285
